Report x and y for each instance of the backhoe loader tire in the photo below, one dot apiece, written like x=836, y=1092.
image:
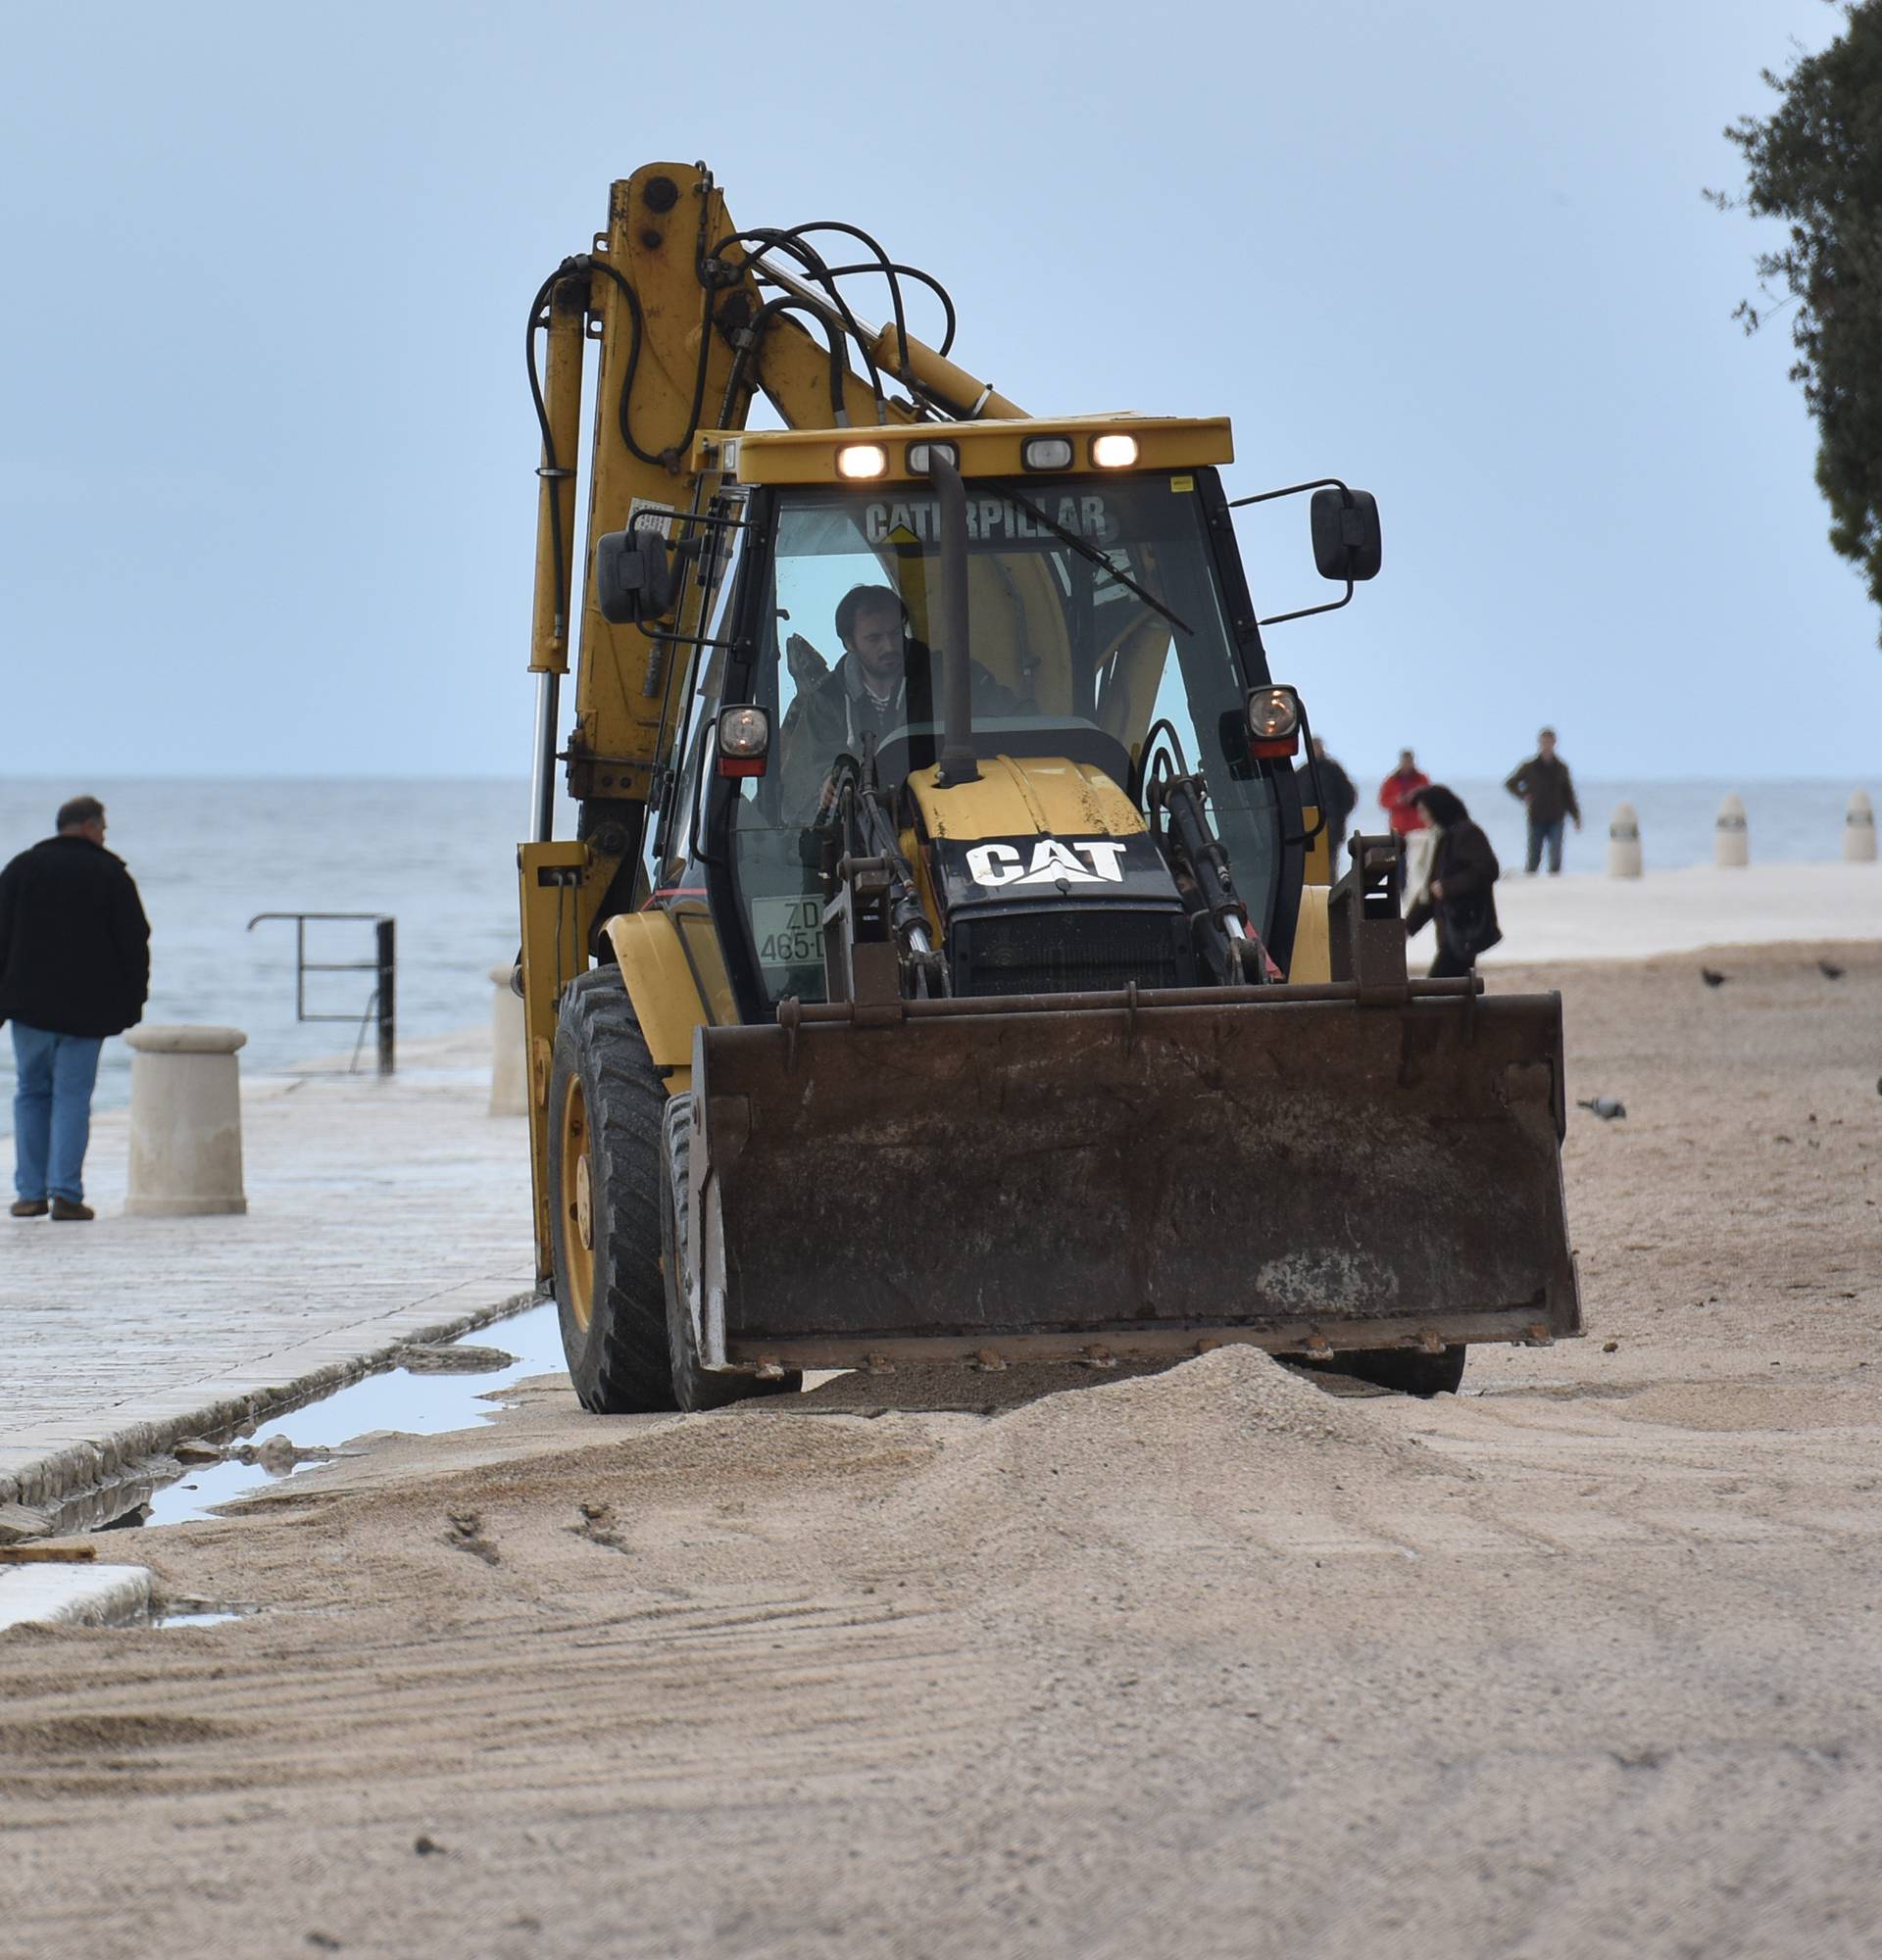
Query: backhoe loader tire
x=1410, y=1371
x=694, y=1388
x=617, y=1361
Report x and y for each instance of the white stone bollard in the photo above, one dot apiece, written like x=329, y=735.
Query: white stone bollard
x=1859, y=830
x=509, y=1049
x=1731, y=842
x=185, y=1122
x=1624, y=843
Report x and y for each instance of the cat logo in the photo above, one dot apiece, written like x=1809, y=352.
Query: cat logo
x=1095, y=862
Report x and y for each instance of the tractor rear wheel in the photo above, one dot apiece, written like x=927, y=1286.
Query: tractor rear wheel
x=606, y=1102
x=1411, y=1371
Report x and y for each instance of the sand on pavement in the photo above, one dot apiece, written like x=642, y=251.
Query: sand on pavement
x=1209, y=1661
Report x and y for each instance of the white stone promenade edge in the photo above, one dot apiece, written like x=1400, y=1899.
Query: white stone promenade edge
x=379, y=1213
x=1582, y=915
x=73, y=1596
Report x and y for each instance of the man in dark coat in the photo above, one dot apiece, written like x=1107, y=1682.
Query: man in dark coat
x=884, y=680
x=74, y=967
x=1546, y=788
x=1459, y=892
x=1338, y=800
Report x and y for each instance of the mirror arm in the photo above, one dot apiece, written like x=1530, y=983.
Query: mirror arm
x=1293, y=490
x=1305, y=611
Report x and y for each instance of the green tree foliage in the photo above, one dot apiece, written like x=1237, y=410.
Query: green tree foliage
x=1815, y=163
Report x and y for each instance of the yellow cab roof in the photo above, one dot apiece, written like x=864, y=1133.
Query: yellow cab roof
x=984, y=449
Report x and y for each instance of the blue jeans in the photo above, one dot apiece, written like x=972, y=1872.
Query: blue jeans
x=1549, y=834
x=52, y=1111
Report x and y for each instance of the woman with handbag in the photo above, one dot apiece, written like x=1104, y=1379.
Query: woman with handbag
x=1459, y=891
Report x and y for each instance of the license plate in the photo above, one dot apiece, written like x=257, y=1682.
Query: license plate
x=789, y=931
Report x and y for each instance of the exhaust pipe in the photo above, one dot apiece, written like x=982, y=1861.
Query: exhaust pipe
x=957, y=764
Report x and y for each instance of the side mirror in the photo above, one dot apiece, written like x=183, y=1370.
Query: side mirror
x=1346, y=535
x=635, y=577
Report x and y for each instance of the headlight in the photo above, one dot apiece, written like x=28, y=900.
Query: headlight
x=1273, y=714
x=1114, y=452
x=1046, y=451
x=862, y=459
x=922, y=456
x=744, y=741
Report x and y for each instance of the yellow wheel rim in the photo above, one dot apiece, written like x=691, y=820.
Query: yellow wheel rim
x=577, y=1197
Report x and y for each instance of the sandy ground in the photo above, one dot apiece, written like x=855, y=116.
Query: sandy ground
x=1586, y=1661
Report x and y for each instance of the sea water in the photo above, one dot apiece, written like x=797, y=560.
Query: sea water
x=440, y=857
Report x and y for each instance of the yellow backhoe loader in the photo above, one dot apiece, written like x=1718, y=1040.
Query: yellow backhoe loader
x=947, y=965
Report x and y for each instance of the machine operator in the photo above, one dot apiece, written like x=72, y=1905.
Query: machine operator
x=883, y=681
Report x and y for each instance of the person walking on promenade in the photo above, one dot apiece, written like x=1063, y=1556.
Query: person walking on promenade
x=1546, y=788
x=1398, y=793
x=1398, y=799
x=1338, y=799
x=74, y=967
x=1459, y=893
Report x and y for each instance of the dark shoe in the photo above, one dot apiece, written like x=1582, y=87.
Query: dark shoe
x=30, y=1208
x=66, y=1207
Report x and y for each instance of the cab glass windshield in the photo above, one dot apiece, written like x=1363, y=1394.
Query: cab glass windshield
x=1096, y=630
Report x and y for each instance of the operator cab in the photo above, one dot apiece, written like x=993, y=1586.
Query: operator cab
x=1111, y=639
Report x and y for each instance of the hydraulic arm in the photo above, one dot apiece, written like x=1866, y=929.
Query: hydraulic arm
x=692, y=319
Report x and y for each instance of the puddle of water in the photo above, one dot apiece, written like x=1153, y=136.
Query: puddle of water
x=410, y=1405
x=195, y=1619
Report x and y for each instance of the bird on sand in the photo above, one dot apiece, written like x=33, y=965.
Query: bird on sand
x=1711, y=978
x=1607, y=1107
x=1829, y=970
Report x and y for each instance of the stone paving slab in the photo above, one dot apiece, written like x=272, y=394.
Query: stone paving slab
x=73, y=1596
x=379, y=1213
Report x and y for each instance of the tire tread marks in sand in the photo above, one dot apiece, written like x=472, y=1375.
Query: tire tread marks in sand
x=620, y=1363
x=694, y=1388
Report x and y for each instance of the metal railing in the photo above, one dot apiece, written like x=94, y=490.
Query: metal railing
x=385, y=995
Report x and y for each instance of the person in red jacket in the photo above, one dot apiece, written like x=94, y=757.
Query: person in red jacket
x=1397, y=791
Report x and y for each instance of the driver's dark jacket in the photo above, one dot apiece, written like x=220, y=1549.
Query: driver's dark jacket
x=831, y=719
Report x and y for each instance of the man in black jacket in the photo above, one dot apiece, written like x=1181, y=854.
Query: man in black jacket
x=883, y=681
x=1543, y=786
x=74, y=967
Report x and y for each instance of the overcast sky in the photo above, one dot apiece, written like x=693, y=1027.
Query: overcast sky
x=266, y=453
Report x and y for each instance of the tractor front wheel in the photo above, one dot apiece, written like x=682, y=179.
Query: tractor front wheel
x=605, y=1103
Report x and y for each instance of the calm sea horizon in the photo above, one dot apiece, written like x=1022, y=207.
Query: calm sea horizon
x=439, y=856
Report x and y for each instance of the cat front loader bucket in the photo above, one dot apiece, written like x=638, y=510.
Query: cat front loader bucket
x=1372, y=1163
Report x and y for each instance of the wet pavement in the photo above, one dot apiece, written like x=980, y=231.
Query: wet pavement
x=400, y=1400
x=379, y=1213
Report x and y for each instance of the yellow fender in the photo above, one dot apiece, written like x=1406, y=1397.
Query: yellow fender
x=671, y=994
x=1311, y=959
